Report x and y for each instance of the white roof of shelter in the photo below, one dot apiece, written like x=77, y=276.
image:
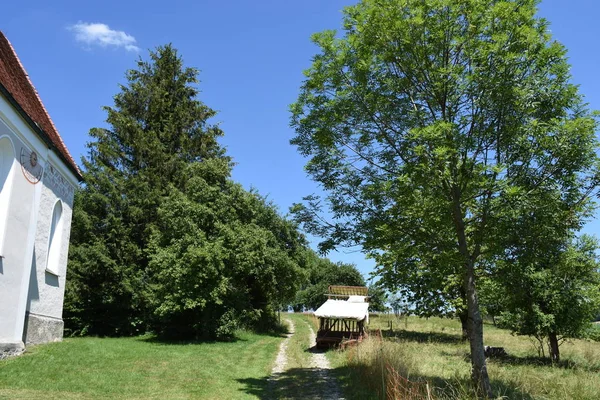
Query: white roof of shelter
x=344, y=309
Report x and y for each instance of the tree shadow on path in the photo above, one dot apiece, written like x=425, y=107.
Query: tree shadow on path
x=294, y=384
x=310, y=384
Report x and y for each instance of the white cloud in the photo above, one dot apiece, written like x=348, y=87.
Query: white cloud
x=101, y=35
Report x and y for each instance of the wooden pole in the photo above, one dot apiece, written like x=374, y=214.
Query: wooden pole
x=383, y=392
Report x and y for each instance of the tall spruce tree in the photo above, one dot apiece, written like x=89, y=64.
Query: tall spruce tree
x=163, y=239
x=157, y=126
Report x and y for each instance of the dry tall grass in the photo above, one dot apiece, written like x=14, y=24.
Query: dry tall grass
x=387, y=369
x=425, y=359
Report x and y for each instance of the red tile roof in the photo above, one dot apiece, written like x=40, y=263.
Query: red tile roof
x=17, y=85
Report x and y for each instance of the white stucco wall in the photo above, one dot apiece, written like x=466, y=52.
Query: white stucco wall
x=46, y=289
x=24, y=283
x=21, y=219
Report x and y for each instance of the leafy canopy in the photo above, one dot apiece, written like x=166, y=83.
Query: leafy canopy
x=322, y=273
x=430, y=125
x=162, y=239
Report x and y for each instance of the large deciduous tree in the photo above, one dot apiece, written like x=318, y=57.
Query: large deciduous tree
x=427, y=121
x=552, y=294
x=222, y=258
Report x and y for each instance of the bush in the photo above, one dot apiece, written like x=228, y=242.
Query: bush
x=593, y=332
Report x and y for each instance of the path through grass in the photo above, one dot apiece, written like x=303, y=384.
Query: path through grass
x=303, y=377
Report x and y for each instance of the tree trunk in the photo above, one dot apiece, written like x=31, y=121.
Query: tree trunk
x=554, y=350
x=479, y=372
x=464, y=318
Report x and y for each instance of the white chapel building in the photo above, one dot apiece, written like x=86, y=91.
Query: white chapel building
x=38, y=178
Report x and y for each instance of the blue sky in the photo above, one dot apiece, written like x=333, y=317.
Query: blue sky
x=251, y=55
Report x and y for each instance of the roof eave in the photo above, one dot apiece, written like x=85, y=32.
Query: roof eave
x=43, y=135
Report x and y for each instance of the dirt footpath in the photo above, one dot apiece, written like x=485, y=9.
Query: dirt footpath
x=316, y=381
x=281, y=360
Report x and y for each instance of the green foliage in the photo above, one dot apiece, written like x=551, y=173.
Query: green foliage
x=378, y=298
x=162, y=238
x=323, y=273
x=559, y=294
x=492, y=297
x=432, y=125
x=221, y=256
x=593, y=332
x=157, y=126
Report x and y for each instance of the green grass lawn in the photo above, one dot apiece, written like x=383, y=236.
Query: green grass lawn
x=423, y=350
x=139, y=368
x=430, y=350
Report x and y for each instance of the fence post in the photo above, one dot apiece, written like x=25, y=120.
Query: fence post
x=383, y=392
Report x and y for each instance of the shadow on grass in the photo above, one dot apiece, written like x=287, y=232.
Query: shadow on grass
x=315, y=350
x=353, y=384
x=543, y=362
x=464, y=389
x=278, y=333
x=509, y=390
x=422, y=337
x=150, y=338
x=180, y=342
x=278, y=329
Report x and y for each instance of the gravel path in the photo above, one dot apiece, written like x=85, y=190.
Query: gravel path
x=281, y=360
x=314, y=382
x=322, y=368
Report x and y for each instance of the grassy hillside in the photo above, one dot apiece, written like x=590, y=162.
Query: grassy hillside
x=430, y=351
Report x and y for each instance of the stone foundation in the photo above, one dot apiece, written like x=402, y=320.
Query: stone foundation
x=11, y=349
x=41, y=329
